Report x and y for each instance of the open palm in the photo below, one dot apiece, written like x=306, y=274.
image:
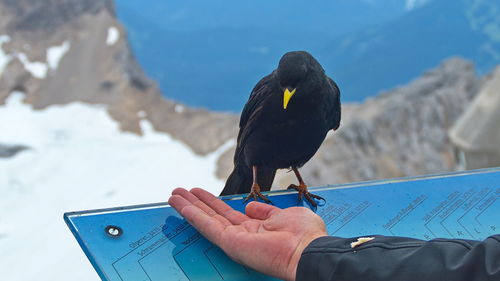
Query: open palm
x=266, y=238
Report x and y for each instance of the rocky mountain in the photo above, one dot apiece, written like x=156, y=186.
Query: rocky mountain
x=60, y=51
x=401, y=133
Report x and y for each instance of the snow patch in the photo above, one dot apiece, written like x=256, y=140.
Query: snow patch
x=179, y=108
x=56, y=53
x=4, y=58
x=113, y=36
x=223, y=148
x=37, y=69
x=80, y=160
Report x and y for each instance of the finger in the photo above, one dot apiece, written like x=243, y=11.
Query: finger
x=208, y=226
x=260, y=211
x=194, y=200
x=219, y=206
x=178, y=202
x=186, y=195
x=177, y=189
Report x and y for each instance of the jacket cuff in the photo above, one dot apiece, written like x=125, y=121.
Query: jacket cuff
x=310, y=264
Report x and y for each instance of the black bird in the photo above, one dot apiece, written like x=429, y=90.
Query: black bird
x=283, y=124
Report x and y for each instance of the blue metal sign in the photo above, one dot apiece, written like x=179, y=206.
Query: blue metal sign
x=152, y=242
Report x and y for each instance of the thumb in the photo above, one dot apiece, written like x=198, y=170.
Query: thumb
x=260, y=211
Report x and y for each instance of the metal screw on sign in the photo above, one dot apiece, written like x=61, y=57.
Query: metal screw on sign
x=113, y=231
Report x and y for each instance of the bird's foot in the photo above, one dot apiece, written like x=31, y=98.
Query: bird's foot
x=255, y=195
x=302, y=191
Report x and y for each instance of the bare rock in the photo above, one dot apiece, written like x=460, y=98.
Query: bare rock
x=95, y=72
x=399, y=133
x=7, y=151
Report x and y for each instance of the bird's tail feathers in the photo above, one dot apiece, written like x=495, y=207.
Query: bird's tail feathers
x=240, y=181
x=265, y=179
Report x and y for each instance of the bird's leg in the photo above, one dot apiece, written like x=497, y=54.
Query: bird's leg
x=302, y=189
x=255, y=191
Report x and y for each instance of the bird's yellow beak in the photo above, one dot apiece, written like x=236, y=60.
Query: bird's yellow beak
x=287, y=95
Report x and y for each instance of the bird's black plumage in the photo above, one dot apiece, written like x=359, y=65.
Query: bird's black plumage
x=273, y=137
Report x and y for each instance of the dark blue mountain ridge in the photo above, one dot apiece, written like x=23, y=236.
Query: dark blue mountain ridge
x=339, y=16
x=382, y=57
x=211, y=55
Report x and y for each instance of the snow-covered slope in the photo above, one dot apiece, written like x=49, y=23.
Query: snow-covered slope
x=79, y=159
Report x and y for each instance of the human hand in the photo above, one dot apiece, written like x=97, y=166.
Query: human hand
x=266, y=238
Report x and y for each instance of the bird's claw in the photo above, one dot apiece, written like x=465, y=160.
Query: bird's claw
x=255, y=195
x=302, y=191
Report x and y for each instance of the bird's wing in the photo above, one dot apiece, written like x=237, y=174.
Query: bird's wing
x=252, y=111
x=258, y=95
x=334, y=108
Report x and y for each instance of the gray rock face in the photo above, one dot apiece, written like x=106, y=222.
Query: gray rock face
x=7, y=151
x=94, y=72
x=399, y=133
x=33, y=15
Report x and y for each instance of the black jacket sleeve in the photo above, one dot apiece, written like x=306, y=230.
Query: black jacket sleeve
x=402, y=259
